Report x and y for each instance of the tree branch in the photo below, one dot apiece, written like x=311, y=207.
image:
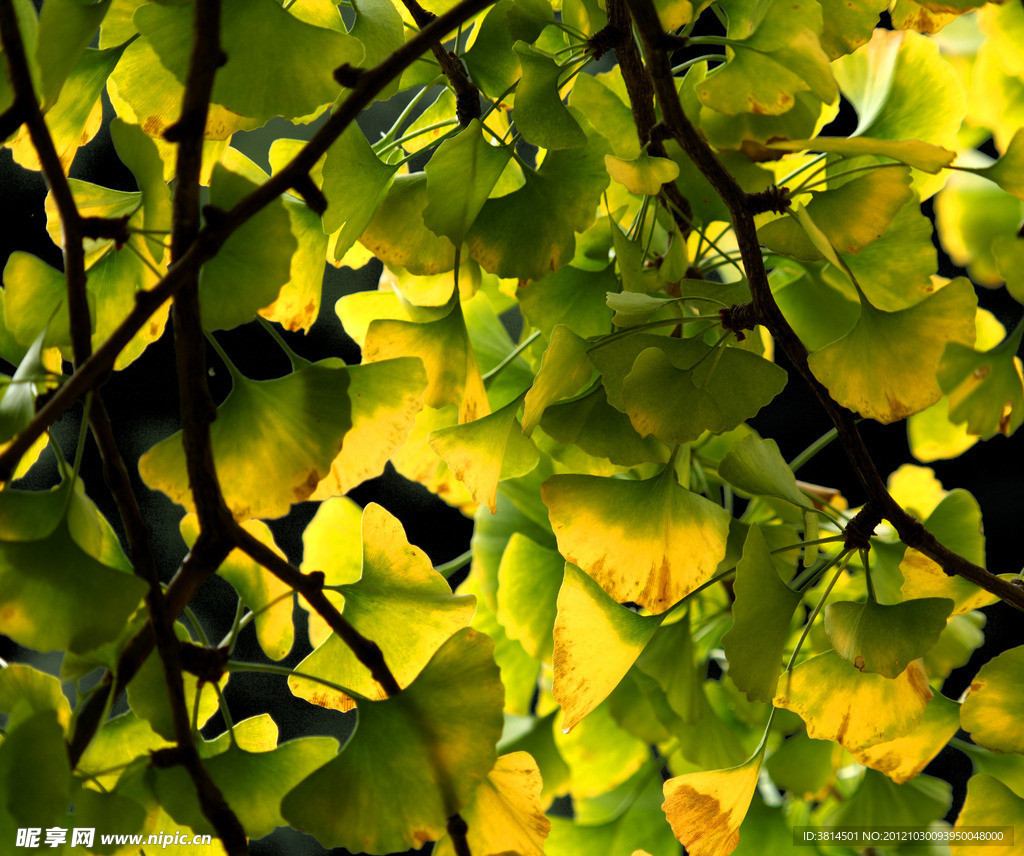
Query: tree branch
x=679, y=127
x=209, y=239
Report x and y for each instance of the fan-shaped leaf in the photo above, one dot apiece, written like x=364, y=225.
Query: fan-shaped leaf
x=993, y=703
x=539, y=112
x=989, y=803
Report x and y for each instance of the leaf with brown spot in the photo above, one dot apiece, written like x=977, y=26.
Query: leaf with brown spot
x=992, y=705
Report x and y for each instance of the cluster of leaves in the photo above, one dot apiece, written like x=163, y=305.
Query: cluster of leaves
x=630, y=528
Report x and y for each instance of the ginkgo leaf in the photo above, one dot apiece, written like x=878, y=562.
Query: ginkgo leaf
x=634, y=308
x=121, y=740
x=885, y=367
x=776, y=53
x=914, y=153
x=460, y=176
x=65, y=29
x=985, y=388
x=989, y=803
x=252, y=782
x=531, y=231
x=599, y=98
x=572, y=297
x=992, y=703
x=847, y=24
x=266, y=74
x=885, y=639
x=440, y=732
x=493, y=64
x=529, y=579
x=258, y=588
x=803, y=766
x=880, y=802
x=55, y=594
x=385, y=397
x=596, y=641
x=762, y=614
x=905, y=757
x=34, y=773
x=483, y=452
x=302, y=419
x=706, y=809
x=644, y=174
x=24, y=691
x=19, y=395
x=505, y=815
x=255, y=262
x=650, y=542
x=35, y=298
x=416, y=461
x=599, y=753
x=453, y=374
x=851, y=215
x=756, y=466
x=680, y=392
x=564, y=371
x=399, y=601
x=539, y=112
x=1008, y=171
x=854, y=708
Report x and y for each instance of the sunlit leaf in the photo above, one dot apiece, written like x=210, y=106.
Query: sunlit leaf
x=644, y=174
x=506, y=814
x=596, y=641
x=539, y=112
x=571, y=297
x=860, y=370
x=564, y=371
x=598, y=97
x=66, y=28
x=803, y=766
x=399, y=601
x=914, y=153
x=490, y=59
x=854, y=708
x=303, y=417
x=121, y=740
x=25, y=691
x=440, y=732
x=880, y=802
x=650, y=542
x=599, y=753
x=529, y=578
x=757, y=467
x=903, y=758
x=992, y=703
x=961, y=638
x=762, y=615
x=989, y=803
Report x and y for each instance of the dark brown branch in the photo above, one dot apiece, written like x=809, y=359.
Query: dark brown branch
x=467, y=96
x=457, y=829
x=311, y=587
x=53, y=171
x=911, y=532
x=208, y=241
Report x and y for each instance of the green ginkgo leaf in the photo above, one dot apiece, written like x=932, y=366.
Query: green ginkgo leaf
x=985, y=388
x=303, y=418
x=440, y=732
x=399, y=601
x=35, y=298
x=596, y=641
x=60, y=587
x=914, y=153
x=1008, y=171
x=18, y=396
x=573, y=297
x=25, y=691
x=803, y=766
x=529, y=579
x=252, y=782
x=762, y=615
x=66, y=28
x=539, y=112
x=634, y=308
x=254, y=263
x=957, y=643
x=757, y=467
x=847, y=24
x=650, y=542
x=564, y=371
x=885, y=639
x=485, y=451
x=678, y=393
x=879, y=801
x=905, y=757
x=262, y=592
x=851, y=215
x=460, y=176
x=531, y=231
x=600, y=754
x=992, y=704
x=385, y=396
x=602, y=99
x=120, y=741
x=1008, y=253
x=494, y=66
x=885, y=368
x=989, y=803
x=34, y=773
x=776, y=53
x=644, y=174
x=378, y=26
x=857, y=709
x=267, y=73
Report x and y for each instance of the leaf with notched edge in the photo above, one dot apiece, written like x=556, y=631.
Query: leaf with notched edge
x=991, y=708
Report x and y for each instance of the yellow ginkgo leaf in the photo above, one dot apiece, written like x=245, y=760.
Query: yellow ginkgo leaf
x=650, y=542
x=596, y=642
x=991, y=709
x=903, y=758
x=857, y=709
x=385, y=397
x=990, y=803
x=399, y=601
x=505, y=815
x=485, y=451
x=706, y=809
x=418, y=462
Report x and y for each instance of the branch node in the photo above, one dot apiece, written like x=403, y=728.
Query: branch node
x=216, y=218
x=467, y=104
x=672, y=42
x=172, y=756
x=858, y=531
x=660, y=132
x=737, y=318
x=222, y=58
x=773, y=198
x=207, y=664
x=310, y=193
x=607, y=38
x=116, y=229
x=348, y=75
x=316, y=579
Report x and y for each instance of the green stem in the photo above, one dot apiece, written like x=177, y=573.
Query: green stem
x=419, y=132
x=650, y=325
x=228, y=721
x=813, y=184
x=236, y=626
x=446, y=569
x=815, y=611
x=691, y=62
x=293, y=358
x=406, y=112
x=812, y=543
x=195, y=708
x=267, y=669
x=236, y=375
x=194, y=621
x=82, y=429
x=515, y=352
x=813, y=449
